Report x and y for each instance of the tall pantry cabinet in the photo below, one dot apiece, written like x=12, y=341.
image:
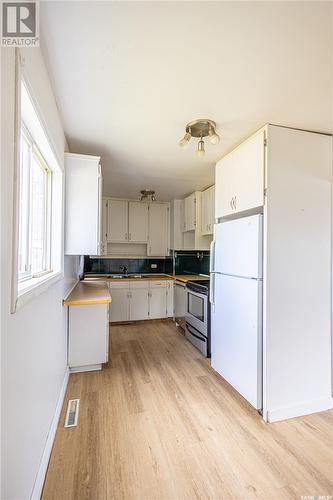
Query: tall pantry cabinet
x=286, y=174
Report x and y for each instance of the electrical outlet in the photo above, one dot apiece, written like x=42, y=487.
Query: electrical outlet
x=153, y=266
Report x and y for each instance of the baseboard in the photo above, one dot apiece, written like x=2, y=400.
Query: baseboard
x=86, y=368
x=300, y=410
x=40, y=478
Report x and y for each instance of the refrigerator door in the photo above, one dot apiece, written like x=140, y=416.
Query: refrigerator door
x=238, y=247
x=236, y=338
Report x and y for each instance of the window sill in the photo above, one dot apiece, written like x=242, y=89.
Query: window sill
x=27, y=290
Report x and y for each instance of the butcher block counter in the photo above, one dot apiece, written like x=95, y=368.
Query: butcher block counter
x=145, y=277
x=184, y=278
x=87, y=293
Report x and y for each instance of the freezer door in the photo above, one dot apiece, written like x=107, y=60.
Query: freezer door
x=236, y=335
x=238, y=247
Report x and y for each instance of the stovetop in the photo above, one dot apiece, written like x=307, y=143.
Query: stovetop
x=200, y=286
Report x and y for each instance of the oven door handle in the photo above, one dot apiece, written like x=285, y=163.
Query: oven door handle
x=202, y=336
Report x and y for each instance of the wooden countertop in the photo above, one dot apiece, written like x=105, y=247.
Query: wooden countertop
x=87, y=293
x=189, y=277
x=146, y=277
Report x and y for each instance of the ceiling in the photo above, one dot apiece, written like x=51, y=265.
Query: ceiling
x=128, y=76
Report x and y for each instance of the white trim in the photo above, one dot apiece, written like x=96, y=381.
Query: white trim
x=87, y=368
x=16, y=182
x=300, y=410
x=40, y=285
x=82, y=157
x=40, y=477
x=71, y=289
x=39, y=112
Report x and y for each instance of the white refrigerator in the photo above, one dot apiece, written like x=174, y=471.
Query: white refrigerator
x=236, y=305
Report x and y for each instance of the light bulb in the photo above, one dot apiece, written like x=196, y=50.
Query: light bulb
x=185, y=140
x=201, y=148
x=213, y=136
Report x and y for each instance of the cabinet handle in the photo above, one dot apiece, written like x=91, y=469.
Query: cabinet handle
x=129, y=236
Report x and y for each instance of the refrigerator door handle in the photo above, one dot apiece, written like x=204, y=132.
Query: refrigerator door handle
x=212, y=256
x=212, y=289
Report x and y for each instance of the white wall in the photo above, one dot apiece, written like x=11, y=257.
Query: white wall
x=33, y=340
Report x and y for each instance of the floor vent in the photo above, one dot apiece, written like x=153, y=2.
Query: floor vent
x=72, y=413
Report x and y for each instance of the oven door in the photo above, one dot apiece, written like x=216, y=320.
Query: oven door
x=197, y=339
x=197, y=310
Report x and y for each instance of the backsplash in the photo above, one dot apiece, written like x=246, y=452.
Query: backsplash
x=184, y=262
x=191, y=262
x=140, y=266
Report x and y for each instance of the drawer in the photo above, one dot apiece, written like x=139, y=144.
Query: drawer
x=159, y=284
x=118, y=284
x=138, y=284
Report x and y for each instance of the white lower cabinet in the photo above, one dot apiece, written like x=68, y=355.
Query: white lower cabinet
x=169, y=299
x=140, y=300
x=158, y=302
x=88, y=337
x=119, y=307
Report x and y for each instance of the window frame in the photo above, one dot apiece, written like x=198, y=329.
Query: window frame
x=34, y=153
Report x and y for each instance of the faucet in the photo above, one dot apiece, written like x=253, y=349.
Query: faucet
x=123, y=269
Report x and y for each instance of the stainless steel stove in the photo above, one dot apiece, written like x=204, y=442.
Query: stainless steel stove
x=197, y=316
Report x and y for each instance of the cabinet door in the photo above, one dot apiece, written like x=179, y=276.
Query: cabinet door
x=240, y=178
x=249, y=173
x=169, y=292
x=224, y=173
x=117, y=221
x=190, y=213
x=104, y=227
x=211, y=220
x=119, y=307
x=158, y=302
x=205, y=211
x=182, y=216
x=158, y=243
x=83, y=205
x=139, y=304
x=138, y=222
x=179, y=299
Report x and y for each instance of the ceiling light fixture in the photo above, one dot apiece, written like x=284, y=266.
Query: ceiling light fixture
x=147, y=194
x=200, y=128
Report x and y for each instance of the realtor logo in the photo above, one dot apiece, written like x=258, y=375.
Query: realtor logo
x=20, y=24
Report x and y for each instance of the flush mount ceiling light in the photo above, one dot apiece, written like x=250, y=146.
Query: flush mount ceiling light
x=147, y=194
x=200, y=128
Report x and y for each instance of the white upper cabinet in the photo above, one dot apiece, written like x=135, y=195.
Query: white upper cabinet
x=239, y=178
x=144, y=225
x=104, y=227
x=158, y=239
x=138, y=222
x=117, y=221
x=83, y=219
x=189, y=213
x=207, y=210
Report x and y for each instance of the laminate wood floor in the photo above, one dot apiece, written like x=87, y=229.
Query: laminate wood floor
x=159, y=423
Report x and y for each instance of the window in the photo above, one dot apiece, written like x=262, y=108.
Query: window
x=39, y=205
x=34, y=210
